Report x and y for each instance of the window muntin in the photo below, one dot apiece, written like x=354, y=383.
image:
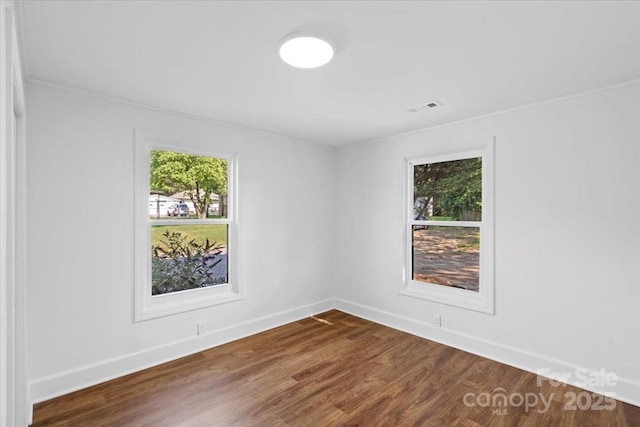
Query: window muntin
x=450, y=227
x=185, y=227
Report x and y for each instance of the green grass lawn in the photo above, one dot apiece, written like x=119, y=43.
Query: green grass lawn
x=441, y=218
x=215, y=233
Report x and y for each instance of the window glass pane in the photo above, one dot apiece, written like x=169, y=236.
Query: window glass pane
x=187, y=186
x=448, y=191
x=448, y=256
x=188, y=257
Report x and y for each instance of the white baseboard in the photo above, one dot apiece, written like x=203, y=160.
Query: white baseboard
x=76, y=379
x=625, y=390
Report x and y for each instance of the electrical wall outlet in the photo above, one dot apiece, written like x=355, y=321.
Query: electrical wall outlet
x=202, y=328
x=437, y=320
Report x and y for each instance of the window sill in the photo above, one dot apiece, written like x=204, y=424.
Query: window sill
x=179, y=302
x=470, y=300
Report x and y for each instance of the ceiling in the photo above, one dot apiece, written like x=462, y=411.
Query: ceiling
x=219, y=60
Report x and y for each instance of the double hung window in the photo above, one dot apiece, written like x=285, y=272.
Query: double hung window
x=185, y=227
x=450, y=227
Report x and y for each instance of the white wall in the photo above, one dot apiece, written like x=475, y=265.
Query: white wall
x=567, y=237
x=81, y=286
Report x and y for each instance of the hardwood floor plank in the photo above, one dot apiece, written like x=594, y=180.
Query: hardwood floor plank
x=332, y=369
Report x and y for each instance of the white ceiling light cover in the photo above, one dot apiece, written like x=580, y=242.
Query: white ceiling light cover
x=305, y=50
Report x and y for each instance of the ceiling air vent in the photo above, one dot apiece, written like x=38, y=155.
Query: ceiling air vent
x=426, y=106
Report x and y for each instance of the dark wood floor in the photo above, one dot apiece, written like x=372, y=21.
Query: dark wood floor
x=331, y=369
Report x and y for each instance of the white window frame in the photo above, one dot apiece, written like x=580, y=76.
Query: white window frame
x=483, y=300
x=148, y=306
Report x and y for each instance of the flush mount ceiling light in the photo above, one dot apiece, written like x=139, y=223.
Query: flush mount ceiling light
x=305, y=50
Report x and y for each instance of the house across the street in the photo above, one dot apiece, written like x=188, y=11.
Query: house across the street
x=182, y=196
x=158, y=204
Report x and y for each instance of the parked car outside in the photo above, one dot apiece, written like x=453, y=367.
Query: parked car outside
x=178, y=209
